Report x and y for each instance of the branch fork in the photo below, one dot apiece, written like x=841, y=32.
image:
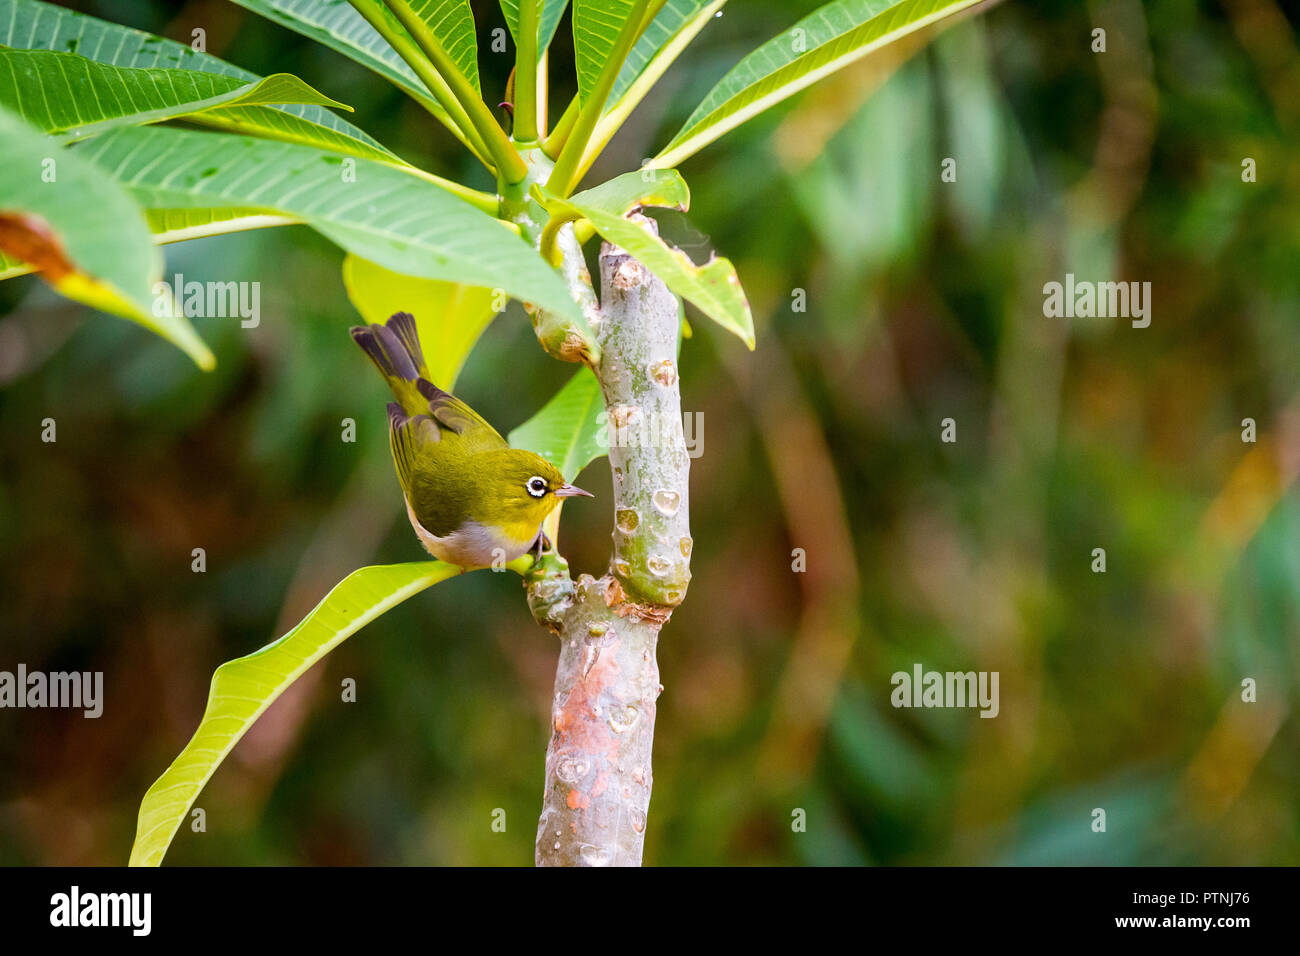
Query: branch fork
x=598, y=762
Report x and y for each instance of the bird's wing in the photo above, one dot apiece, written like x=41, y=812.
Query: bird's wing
x=452, y=415
x=406, y=435
x=440, y=483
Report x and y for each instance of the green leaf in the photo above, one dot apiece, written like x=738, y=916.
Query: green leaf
x=596, y=26
x=178, y=225
x=375, y=210
x=67, y=94
x=33, y=25
x=831, y=37
x=341, y=28
x=547, y=21
x=244, y=688
x=674, y=15
x=452, y=24
x=68, y=219
x=713, y=288
x=272, y=122
x=450, y=316
x=570, y=430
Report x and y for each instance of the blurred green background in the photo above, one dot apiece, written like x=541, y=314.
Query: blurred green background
x=923, y=302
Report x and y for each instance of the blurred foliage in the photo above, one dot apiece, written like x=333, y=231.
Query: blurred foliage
x=1118, y=690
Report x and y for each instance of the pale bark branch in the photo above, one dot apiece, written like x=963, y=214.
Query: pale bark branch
x=598, y=762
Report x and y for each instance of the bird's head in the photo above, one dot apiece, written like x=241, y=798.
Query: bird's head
x=528, y=487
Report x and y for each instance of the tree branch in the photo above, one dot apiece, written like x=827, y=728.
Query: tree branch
x=598, y=761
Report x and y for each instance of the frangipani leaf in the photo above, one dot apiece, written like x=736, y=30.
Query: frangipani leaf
x=75, y=98
x=548, y=19
x=34, y=25
x=570, y=430
x=829, y=38
x=244, y=688
x=273, y=122
x=178, y=225
x=450, y=316
x=713, y=288
x=396, y=219
x=596, y=26
x=69, y=220
x=674, y=15
x=452, y=24
x=341, y=28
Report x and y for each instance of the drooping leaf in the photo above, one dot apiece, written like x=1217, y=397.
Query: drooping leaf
x=548, y=20
x=713, y=288
x=69, y=95
x=244, y=688
x=664, y=188
x=824, y=41
x=71, y=222
x=570, y=430
x=376, y=210
x=596, y=26
x=179, y=225
x=450, y=316
x=34, y=25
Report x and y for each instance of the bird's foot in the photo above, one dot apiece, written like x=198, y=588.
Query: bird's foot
x=541, y=546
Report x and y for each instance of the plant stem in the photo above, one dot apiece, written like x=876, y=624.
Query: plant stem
x=526, y=73
x=543, y=91
x=510, y=167
x=598, y=761
x=455, y=119
x=565, y=175
x=487, y=202
x=553, y=143
x=617, y=114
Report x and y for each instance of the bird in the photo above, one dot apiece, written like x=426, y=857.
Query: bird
x=473, y=501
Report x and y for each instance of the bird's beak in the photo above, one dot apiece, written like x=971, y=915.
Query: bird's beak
x=568, y=491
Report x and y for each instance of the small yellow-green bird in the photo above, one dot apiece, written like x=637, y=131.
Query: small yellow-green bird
x=472, y=499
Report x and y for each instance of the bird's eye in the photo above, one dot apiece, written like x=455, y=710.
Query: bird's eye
x=536, y=486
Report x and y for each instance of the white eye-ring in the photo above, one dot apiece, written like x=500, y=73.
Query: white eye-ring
x=536, y=486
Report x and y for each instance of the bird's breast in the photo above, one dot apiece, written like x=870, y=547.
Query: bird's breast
x=474, y=545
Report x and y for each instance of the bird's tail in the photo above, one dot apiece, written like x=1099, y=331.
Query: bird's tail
x=394, y=347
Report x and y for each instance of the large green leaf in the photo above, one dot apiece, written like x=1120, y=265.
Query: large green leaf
x=452, y=24
x=67, y=94
x=831, y=37
x=547, y=21
x=674, y=15
x=450, y=316
x=272, y=122
x=68, y=219
x=713, y=288
x=340, y=27
x=33, y=25
x=596, y=27
x=244, y=688
x=569, y=431
x=179, y=225
x=375, y=210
